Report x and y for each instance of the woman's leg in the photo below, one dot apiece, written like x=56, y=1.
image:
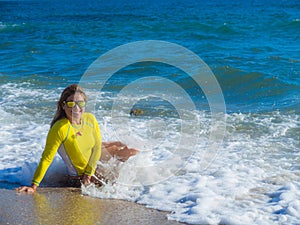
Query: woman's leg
x=118, y=150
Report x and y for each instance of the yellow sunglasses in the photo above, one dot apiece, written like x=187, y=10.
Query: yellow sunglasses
x=72, y=104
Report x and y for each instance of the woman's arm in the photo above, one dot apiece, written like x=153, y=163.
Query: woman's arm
x=96, y=151
x=55, y=138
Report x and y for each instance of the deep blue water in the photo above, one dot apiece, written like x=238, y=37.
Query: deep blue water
x=252, y=47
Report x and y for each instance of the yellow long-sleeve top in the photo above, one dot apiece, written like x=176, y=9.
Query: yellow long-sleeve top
x=79, y=146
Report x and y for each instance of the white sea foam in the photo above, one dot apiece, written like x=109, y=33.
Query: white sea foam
x=4, y=26
x=255, y=178
x=252, y=181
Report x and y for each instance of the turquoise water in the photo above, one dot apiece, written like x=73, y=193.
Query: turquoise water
x=252, y=48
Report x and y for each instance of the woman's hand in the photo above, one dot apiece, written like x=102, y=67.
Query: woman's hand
x=27, y=189
x=86, y=179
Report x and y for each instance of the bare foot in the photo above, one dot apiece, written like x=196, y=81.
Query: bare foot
x=118, y=150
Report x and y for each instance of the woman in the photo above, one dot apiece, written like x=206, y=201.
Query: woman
x=76, y=136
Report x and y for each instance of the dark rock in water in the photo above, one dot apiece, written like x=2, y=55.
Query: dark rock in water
x=136, y=112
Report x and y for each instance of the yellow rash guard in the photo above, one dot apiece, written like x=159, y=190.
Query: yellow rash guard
x=79, y=146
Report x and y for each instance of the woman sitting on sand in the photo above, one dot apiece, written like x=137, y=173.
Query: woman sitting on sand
x=77, y=138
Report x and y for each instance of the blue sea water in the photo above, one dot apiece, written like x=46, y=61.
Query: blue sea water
x=252, y=48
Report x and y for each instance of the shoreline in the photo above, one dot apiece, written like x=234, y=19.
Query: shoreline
x=58, y=205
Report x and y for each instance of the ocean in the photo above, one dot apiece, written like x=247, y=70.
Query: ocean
x=216, y=85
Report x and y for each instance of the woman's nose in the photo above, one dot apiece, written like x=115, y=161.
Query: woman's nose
x=77, y=108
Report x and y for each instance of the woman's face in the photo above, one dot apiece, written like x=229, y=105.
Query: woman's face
x=74, y=113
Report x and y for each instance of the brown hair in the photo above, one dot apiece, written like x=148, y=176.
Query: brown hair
x=70, y=90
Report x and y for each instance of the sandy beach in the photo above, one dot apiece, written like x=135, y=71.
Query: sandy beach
x=69, y=206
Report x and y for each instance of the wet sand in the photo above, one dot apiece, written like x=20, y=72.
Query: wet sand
x=68, y=206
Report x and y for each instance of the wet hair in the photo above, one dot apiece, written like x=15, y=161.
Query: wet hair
x=70, y=90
